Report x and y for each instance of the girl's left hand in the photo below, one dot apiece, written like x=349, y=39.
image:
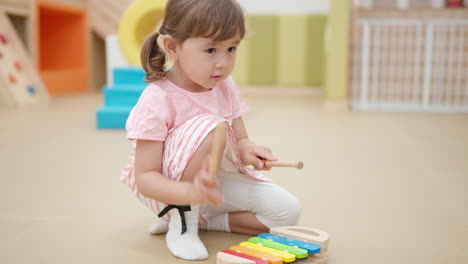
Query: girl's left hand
x=252, y=154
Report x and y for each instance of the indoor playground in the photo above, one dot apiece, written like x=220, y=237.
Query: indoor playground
x=364, y=102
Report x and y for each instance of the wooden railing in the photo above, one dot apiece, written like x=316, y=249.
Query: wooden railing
x=411, y=65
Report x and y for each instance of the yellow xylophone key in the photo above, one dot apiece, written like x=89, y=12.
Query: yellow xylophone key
x=254, y=253
x=287, y=257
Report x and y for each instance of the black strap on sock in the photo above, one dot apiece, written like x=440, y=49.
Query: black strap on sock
x=182, y=209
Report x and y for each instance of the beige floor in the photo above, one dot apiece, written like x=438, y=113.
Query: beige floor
x=388, y=187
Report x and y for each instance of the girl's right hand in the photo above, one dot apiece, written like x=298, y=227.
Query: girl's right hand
x=204, y=187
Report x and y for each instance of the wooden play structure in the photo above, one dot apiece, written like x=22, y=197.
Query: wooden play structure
x=73, y=31
x=62, y=52
x=138, y=21
x=104, y=15
x=283, y=245
x=56, y=38
x=19, y=83
x=123, y=57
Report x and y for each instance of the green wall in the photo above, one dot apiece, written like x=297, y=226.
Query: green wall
x=282, y=50
x=337, y=46
x=263, y=50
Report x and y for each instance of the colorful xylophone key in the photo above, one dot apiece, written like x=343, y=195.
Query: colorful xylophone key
x=226, y=258
x=254, y=259
x=306, y=234
x=254, y=253
x=287, y=257
x=311, y=248
x=298, y=252
x=285, y=244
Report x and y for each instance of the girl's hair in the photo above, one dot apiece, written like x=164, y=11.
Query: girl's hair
x=217, y=19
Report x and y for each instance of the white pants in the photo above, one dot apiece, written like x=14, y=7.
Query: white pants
x=272, y=205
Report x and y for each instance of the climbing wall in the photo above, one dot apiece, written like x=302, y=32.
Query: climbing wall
x=19, y=83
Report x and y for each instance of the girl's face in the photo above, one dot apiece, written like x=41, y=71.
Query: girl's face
x=206, y=63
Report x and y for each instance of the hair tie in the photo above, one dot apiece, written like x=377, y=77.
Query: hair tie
x=159, y=40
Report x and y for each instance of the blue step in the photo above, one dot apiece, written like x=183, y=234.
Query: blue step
x=122, y=95
x=120, y=98
x=112, y=117
x=130, y=76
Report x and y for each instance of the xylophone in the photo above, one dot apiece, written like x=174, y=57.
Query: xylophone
x=282, y=245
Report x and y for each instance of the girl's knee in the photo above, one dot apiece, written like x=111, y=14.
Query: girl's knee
x=293, y=209
x=283, y=211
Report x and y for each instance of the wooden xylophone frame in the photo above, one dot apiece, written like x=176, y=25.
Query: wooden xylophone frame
x=306, y=234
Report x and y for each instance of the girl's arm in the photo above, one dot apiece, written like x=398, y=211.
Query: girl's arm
x=250, y=153
x=152, y=184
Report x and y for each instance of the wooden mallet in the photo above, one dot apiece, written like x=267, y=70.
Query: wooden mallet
x=291, y=164
x=217, y=149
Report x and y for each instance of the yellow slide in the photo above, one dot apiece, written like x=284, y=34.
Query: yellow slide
x=139, y=20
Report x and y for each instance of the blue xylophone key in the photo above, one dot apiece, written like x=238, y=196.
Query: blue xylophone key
x=311, y=248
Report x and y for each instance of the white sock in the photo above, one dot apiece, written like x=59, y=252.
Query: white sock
x=217, y=223
x=161, y=226
x=187, y=246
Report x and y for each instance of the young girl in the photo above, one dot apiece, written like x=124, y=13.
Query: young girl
x=172, y=126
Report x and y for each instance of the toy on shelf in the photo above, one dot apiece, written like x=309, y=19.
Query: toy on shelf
x=283, y=245
x=19, y=83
